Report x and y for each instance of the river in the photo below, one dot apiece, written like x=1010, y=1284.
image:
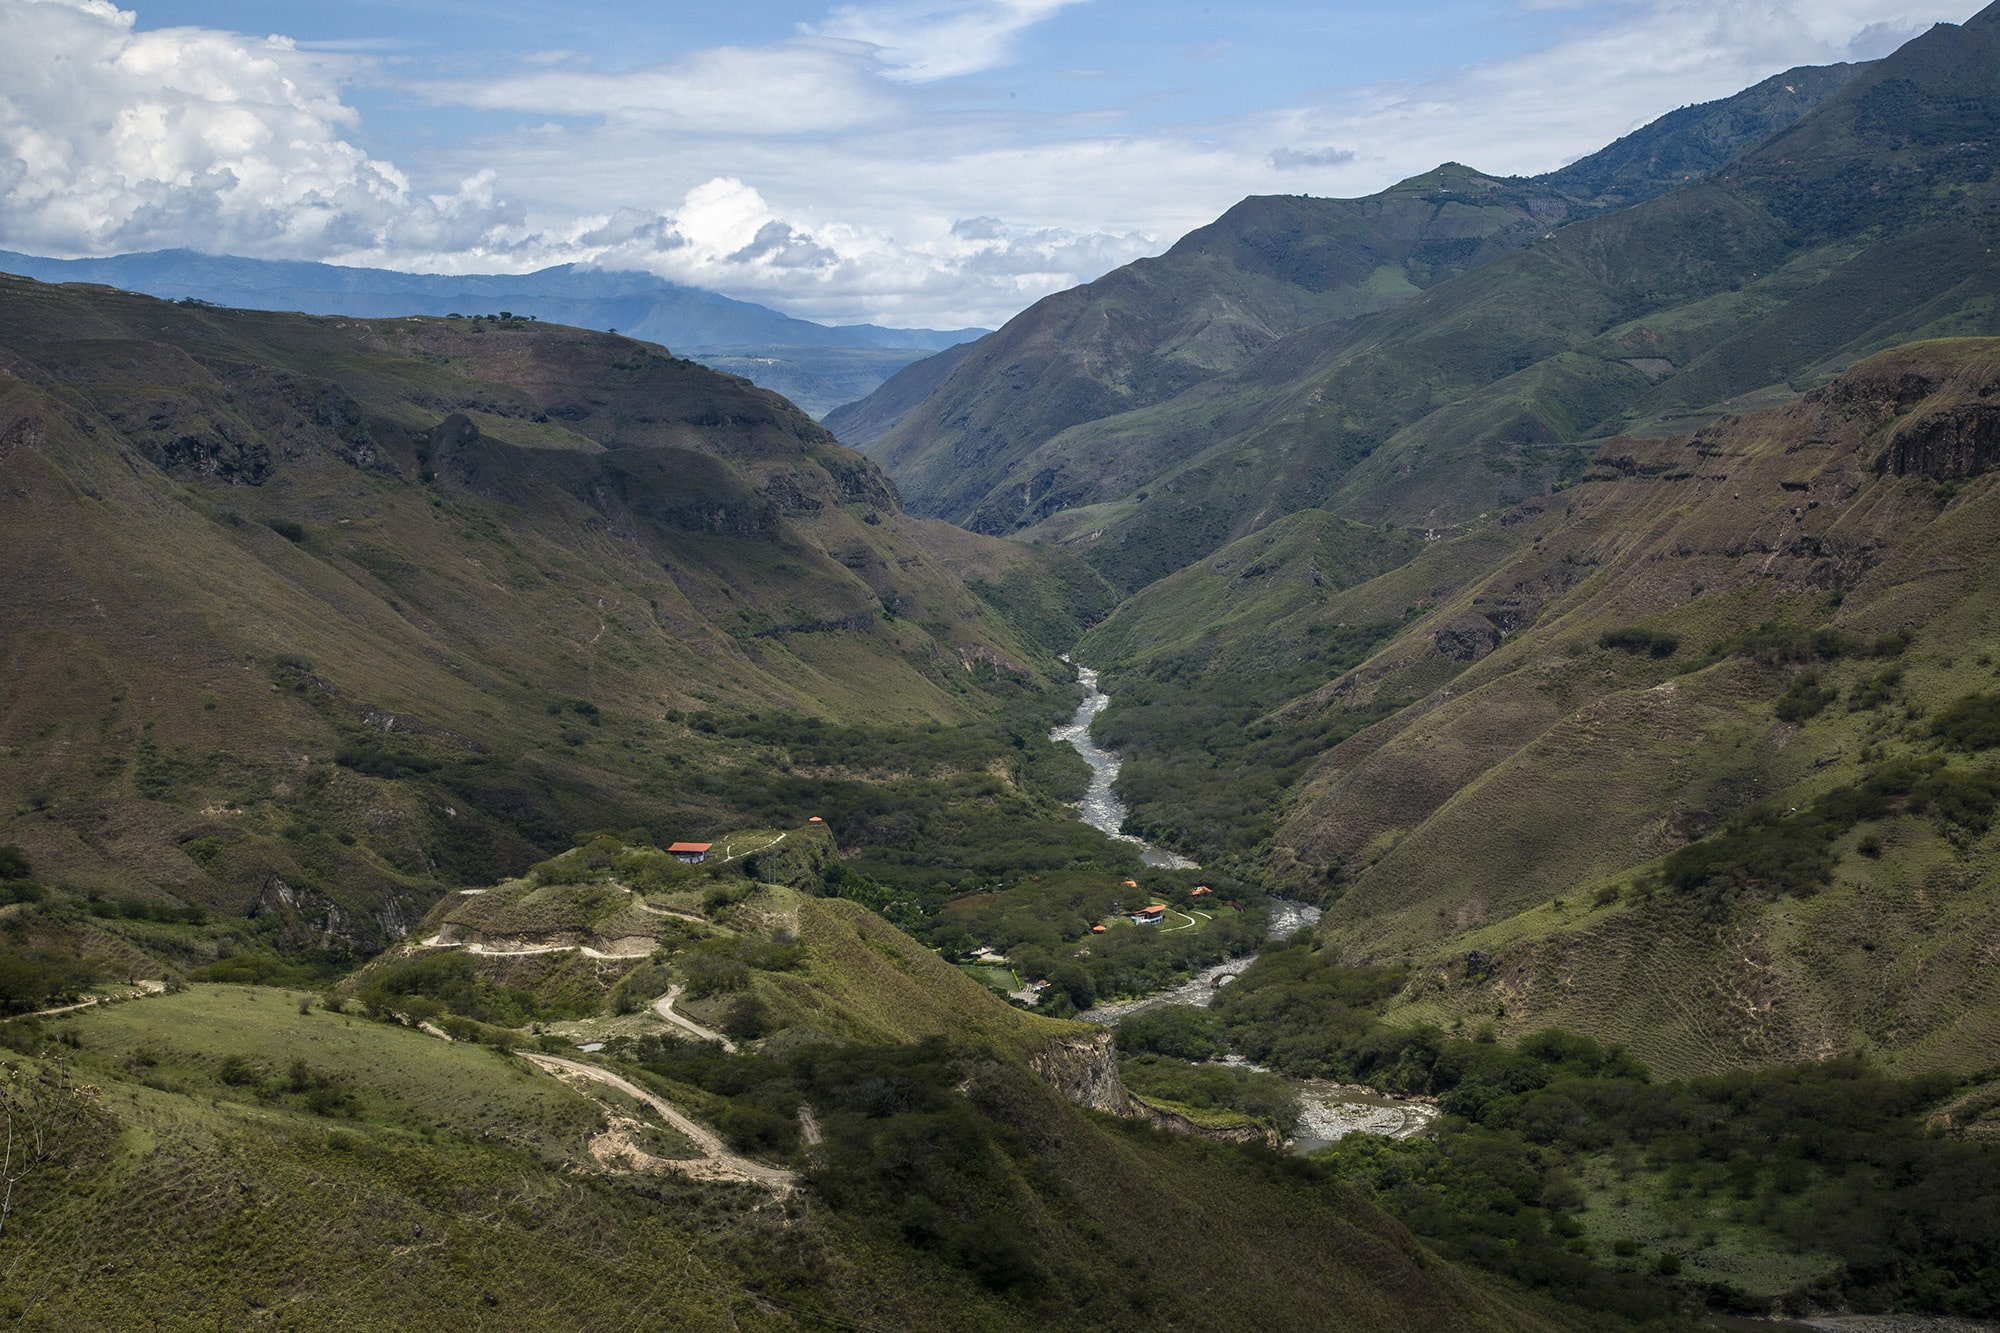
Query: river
x=1102, y=809
x=1330, y=1110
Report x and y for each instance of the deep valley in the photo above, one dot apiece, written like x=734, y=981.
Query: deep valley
x=1427, y=761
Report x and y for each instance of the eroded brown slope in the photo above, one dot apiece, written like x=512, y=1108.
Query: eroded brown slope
x=1538, y=765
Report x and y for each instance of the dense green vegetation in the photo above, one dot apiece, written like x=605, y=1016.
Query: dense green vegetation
x=1970, y=723
x=32, y=978
x=1830, y=1160
x=1044, y=925
x=1204, y=769
x=1299, y=1011
x=1264, y=1098
x=428, y=985
x=981, y=799
x=1772, y=852
x=1555, y=1152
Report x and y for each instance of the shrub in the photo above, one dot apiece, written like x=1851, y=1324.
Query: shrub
x=286, y=528
x=1654, y=643
x=255, y=970
x=35, y=978
x=424, y=987
x=1806, y=698
x=377, y=757
x=725, y=964
x=1263, y=1097
x=1972, y=723
x=238, y=1072
x=747, y=1019
x=1183, y=1031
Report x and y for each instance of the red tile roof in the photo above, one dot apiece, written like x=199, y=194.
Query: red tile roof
x=690, y=846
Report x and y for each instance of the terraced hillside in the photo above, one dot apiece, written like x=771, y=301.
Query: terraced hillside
x=1662, y=757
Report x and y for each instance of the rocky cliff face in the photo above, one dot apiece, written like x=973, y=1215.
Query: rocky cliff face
x=1084, y=1069
x=1947, y=445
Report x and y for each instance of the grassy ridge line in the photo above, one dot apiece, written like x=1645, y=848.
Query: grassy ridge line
x=1495, y=384
x=1007, y=433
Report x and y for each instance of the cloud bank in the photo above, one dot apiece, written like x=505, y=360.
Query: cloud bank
x=862, y=168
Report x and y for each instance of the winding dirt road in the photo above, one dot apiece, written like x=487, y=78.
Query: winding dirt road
x=717, y=1162
x=664, y=1007
x=140, y=991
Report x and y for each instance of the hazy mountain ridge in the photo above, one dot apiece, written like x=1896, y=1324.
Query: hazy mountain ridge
x=816, y=365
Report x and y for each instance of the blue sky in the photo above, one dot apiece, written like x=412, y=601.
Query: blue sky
x=937, y=162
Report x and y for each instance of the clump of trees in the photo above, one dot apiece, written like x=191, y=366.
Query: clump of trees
x=1773, y=852
x=1640, y=642
x=1970, y=723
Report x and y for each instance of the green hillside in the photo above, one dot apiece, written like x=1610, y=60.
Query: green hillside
x=311, y=618
x=1205, y=343
x=1573, y=769
x=886, y=1147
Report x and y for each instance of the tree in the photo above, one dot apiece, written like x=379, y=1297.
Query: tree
x=51, y=1124
x=1073, y=981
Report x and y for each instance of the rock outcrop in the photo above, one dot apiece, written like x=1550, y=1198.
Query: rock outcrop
x=1084, y=1069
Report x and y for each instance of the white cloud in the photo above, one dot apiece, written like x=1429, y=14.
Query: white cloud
x=926, y=41
x=112, y=140
x=810, y=85
x=1538, y=110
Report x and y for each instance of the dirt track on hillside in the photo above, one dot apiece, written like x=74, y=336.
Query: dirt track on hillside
x=717, y=1162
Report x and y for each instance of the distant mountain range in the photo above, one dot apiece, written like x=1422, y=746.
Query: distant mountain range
x=1154, y=378
x=817, y=366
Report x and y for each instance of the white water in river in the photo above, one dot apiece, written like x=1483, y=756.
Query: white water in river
x=1329, y=1111
x=1102, y=809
